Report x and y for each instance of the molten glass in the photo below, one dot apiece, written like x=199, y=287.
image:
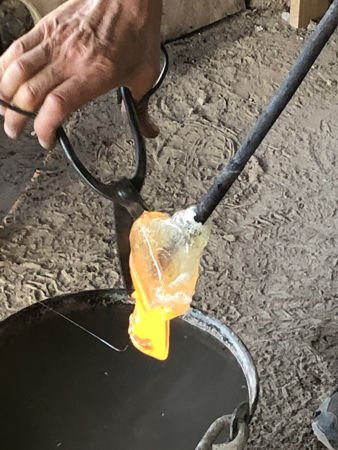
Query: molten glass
x=164, y=261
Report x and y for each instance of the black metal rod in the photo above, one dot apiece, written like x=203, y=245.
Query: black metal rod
x=139, y=144
x=18, y=110
x=87, y=178
x=284, y=94
x=106, y=190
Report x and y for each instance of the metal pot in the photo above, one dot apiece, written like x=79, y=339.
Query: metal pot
x=61, y=388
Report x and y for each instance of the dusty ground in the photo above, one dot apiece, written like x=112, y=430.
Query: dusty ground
x=270, y=270
x=15, y=20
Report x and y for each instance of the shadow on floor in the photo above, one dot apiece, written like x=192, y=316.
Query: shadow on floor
x=18, y=162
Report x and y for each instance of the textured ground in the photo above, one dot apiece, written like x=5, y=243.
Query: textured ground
x=270, y=270
x=14, y=21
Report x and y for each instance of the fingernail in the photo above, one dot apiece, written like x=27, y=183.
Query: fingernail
x=10, y=133
x=43, y=144
x=47, y=146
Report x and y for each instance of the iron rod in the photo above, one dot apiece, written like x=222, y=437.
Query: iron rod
x=284, y=94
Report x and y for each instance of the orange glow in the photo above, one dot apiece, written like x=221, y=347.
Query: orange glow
x=164, y=260
x=149, y=329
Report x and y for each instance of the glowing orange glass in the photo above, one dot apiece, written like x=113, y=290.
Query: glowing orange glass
x=164, y=264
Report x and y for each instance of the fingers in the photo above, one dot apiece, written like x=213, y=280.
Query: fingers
x=2, y=108
x=147, y=127
x=22, y=69
x=139, y=87
x=142, y=80
x=30, y=96
x=58, y=105
x=19, y=71
x=19, y=48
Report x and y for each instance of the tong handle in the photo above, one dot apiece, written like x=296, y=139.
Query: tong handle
x=106, y=190
x=140, y=151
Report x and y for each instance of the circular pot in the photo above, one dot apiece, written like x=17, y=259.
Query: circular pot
x=60, y=387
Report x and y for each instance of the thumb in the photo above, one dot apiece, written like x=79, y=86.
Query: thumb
x=147, y=127
x=139, y=86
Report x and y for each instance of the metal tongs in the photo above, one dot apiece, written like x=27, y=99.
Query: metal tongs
x=124, y=193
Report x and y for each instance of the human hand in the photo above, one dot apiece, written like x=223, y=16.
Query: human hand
x=76, y=53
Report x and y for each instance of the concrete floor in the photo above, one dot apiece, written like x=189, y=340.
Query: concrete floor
x=270, y=270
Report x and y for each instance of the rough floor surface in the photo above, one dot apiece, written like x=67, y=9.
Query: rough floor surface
x=270, y=270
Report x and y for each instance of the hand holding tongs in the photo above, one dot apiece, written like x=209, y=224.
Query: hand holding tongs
x=124, y=193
